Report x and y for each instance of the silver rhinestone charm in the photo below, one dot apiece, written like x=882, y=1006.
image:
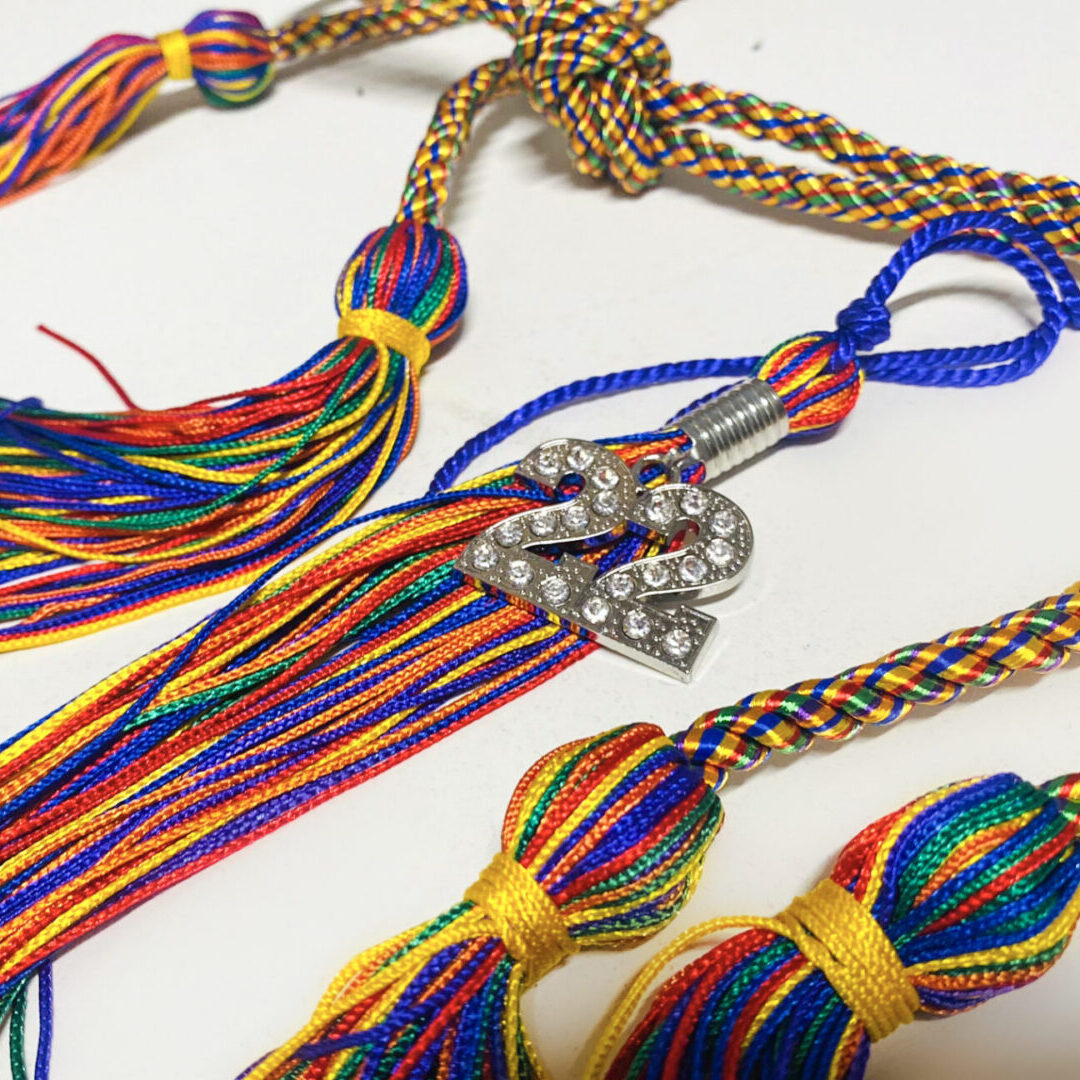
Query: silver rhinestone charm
x=576, y=517
x=542, y=524
x=606, y=503
x=677, y=642
x=548, y=463
x=720, y=552
x=580, y=457
x=655, y=575
x=661, y=508
x=725, y=523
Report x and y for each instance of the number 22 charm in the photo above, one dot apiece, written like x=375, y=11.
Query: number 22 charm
x=616, y=608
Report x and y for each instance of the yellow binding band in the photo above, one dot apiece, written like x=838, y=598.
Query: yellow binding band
x=523, y=915
x=844, y=941
x=389, y=330
x=176, y=50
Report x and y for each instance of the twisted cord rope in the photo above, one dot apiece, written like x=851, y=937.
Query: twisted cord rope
x=1038, y=638
x=596, y=74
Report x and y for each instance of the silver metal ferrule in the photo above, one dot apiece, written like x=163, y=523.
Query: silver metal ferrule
x=737, y=425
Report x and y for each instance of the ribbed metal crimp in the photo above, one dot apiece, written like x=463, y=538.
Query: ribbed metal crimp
x=735, y=426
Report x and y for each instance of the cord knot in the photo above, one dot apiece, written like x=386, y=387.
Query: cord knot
x=591, y=71
x=862, y=325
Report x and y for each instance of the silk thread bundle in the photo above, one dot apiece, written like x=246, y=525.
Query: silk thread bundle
x=591, y=69
x=107, y=517
x=969, y=892
x=444, y=998
x=386, y=1016
x=328, y=671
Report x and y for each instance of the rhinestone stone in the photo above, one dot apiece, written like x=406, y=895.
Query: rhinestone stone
x=484, y=555
x=720, y=551
x=576, y=517
x=655, y=575
x=605, y=478
x=554, y=590
x=595, y=609
x=620, y=587
x=548, y=463
x=519, y=572
x=580, y=457
x=542, y=523
x=636, y=625
x=606, y=503
x=661, y=509
x=677, y=642
x=694, y=502
x=693, y=570
x=509, y=533
x=725, y=522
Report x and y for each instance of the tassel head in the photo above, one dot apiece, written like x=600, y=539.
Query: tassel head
x=415, y=270
x=232, y=60
x=90, y=103
x=967, y=893
x=602, y=845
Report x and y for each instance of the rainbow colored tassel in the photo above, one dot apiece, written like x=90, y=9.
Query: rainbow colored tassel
x=87, y=105
x=443, y=999
x=107, y=517
x=967, y=893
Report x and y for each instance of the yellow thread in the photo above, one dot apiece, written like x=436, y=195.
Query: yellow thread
x=176, y=51
x=523, y=915
x=388, y=330
x=844, y=941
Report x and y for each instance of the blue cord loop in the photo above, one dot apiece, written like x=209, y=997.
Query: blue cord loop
x=860, y=327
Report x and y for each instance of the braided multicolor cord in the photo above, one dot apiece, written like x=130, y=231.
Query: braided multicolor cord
x=597, y=75
x=1037, y=638
x=592, y=70
x=969, y=892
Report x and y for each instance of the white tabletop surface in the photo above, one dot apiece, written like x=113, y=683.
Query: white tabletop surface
x=200, y=257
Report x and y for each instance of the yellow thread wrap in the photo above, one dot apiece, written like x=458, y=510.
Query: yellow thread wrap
x=524, y=916
x=388, y=330
x=844, y=941
x=176, y=50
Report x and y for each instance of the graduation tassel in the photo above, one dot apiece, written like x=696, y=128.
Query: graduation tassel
x=967, y=893
x=331, y=669
x=105, y=517
x=88, y=104
x=442, y=1000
